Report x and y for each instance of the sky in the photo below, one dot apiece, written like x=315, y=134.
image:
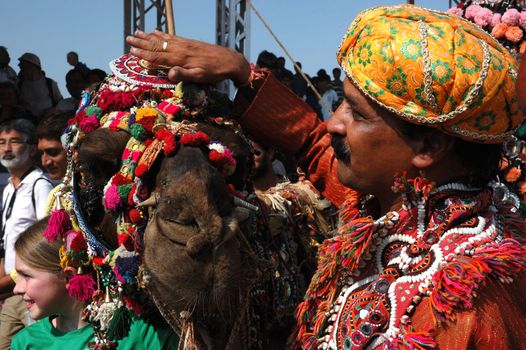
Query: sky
x=310, y=30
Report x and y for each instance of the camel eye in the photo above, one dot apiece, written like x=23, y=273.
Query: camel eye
x=191, y=222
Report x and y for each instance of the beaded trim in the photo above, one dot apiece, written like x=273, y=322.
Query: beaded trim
x=416, y=278
x=428, y=76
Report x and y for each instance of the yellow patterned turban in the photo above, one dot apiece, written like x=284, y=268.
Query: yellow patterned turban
x=435, y=69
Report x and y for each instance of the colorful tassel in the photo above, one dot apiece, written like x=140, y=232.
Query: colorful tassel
x=58, y=224
x=81, y=286
x=120, y=323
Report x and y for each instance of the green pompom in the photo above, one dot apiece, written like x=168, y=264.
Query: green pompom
x=522, y=209
x=138, y=132
x=521, y=131
x=124, y=191
x=93, y=110
x=120, y=323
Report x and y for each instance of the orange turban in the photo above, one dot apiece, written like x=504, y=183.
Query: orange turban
x=433, y=68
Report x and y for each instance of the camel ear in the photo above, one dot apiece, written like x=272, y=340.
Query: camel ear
x=432, y=149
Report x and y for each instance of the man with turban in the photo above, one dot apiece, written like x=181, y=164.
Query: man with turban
x=435, y=260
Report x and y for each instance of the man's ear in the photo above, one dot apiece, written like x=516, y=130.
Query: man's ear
x=432, y=149
x=69, y=273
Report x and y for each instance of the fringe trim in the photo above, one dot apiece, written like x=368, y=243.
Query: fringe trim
x=456, y=284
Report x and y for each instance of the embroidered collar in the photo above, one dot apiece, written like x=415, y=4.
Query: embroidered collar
x=442, y=244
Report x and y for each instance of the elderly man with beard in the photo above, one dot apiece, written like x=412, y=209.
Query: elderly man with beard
x=429, y=98
x=23, y=203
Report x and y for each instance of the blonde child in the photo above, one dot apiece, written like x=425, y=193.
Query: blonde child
x=43, y=284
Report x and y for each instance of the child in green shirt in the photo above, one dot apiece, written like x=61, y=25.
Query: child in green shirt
x=43, y=283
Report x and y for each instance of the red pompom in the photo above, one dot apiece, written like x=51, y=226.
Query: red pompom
x=119, y=179
x=141, y=170
x=126, y=240
x=195, y=139
x=135, y=215
x=131, y=201
x=170, y=146
x=57, y=225
x=81, y=287
x=78, y=244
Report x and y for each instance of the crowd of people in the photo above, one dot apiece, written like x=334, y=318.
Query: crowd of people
x=429, y=249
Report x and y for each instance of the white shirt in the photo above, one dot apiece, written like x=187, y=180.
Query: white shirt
x=331, y=97
x=36, y=95
x=22, y=213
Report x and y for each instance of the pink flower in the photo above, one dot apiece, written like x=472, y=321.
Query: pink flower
x=456, y=11
x=483, y=17
x=522, y=20
x=511, y=17
x=496, y=19
x=471, y=11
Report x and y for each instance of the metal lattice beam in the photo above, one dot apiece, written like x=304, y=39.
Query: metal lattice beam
x=138, y=12
x=233, y=29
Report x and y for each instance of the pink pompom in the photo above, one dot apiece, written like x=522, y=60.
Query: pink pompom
x=471, y=11
x=112, y=199
x=456, y=11
x=81, y=287
x=58, y=224
x=496, y=19
x=483, y=17
x=511, y=17
x=522, y=20
x=89, y=124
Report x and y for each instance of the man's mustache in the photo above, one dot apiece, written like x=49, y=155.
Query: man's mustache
x=341, y=149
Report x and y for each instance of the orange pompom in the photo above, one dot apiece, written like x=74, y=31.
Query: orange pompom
x=513, y=174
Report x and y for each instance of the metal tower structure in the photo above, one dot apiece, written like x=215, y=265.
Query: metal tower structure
x=233, y=30
x=136, y=13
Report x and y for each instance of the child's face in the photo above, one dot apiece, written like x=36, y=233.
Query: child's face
x=44, y=292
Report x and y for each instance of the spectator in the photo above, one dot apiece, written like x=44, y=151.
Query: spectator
x=96, y=76
x=267, y=60
x=322, y=73
x=49, y=290
x=73, y=59
x=11, y=105
x=23, y=202
x=52, y=153
x=328, y=94
x=312, y=99
x=7, y=73
x=75, y=83
x=337, y=84
x=38, y=91
x=299, y=85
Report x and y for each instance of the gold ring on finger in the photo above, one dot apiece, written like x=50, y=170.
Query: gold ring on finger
x=165, y=45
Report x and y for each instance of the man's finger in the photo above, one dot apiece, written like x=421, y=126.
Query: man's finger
x=148, y=55
x=177, y=74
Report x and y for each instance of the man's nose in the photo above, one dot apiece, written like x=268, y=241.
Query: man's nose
x=46, y=160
